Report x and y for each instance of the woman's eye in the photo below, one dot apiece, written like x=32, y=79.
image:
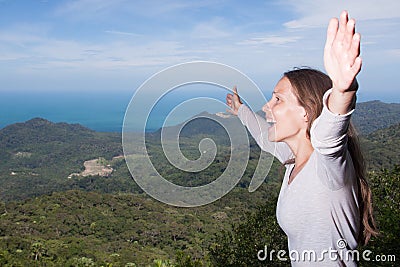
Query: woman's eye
x=277, y=98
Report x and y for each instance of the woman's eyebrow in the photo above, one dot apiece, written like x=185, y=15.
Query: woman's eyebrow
x=277, y=93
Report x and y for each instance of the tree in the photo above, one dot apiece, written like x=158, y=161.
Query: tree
x=386, y=199
x=240, y=246
x=38, y=251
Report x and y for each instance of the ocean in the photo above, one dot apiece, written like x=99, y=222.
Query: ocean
x=102, y=111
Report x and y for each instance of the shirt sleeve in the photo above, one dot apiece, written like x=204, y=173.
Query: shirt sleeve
x=329, y=139
x=258, y=128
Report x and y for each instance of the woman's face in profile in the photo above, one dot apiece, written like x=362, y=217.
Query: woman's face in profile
x=287, y=119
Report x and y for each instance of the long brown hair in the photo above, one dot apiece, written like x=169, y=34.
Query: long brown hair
x=309, y=86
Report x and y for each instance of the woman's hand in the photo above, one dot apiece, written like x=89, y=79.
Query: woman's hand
x=233, y=101
x=342, y=63
x=342, y=53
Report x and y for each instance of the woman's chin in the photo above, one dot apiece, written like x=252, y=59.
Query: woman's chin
x=272, y=134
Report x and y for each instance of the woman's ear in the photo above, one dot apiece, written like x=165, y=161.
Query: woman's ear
x=304, y=114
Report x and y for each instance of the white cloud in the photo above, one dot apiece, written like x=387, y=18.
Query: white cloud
x=12, y=56
x=394, y=52
x=124, y=37
x=123, y=33
x=21, y=34
x=316, y=13
x=50, y=53
x=81, y=9
x=212, y=29
x=377, y=21
x=95, y=9
x=274, y=40
x=18, y=39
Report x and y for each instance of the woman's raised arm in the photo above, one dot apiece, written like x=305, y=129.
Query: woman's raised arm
x=342, y=62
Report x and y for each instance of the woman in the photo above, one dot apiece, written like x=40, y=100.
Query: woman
x=324, y=205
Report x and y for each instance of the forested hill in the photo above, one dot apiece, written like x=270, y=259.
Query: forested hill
x=38, y=144
x=44, y=223
x=381, y=148
x=368, y=117
x=373, y=115
x=37, y=156
x=41, y=131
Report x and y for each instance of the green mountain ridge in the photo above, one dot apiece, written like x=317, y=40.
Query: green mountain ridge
x=37, y=156
x=108, y=221
x=381, y=148
x=373, y=115
x=367, y=117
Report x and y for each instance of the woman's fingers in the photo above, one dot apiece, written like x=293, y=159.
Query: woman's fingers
x=343, y=19
x=355, y=45
x=235, y=94
x=230, y=104
x=233, y=101
x=331, y=32
x=356, y=68
x=235, y=90
x=341, y=40
x=348, y=38
x=342, y=51
x=229, y=100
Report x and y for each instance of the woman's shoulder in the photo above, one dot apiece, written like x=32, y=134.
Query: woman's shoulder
x=328, y=132
x=335, y=172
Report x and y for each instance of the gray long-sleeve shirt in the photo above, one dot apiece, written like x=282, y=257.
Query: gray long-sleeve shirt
x=319, y=210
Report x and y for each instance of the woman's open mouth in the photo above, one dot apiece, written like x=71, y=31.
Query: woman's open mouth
x=271, y=122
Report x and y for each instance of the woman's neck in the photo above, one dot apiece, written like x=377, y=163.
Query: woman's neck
x=301, y=150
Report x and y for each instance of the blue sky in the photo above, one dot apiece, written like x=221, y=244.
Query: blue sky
x=101, y=45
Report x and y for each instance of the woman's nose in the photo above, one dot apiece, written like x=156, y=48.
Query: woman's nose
x=266, y=108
